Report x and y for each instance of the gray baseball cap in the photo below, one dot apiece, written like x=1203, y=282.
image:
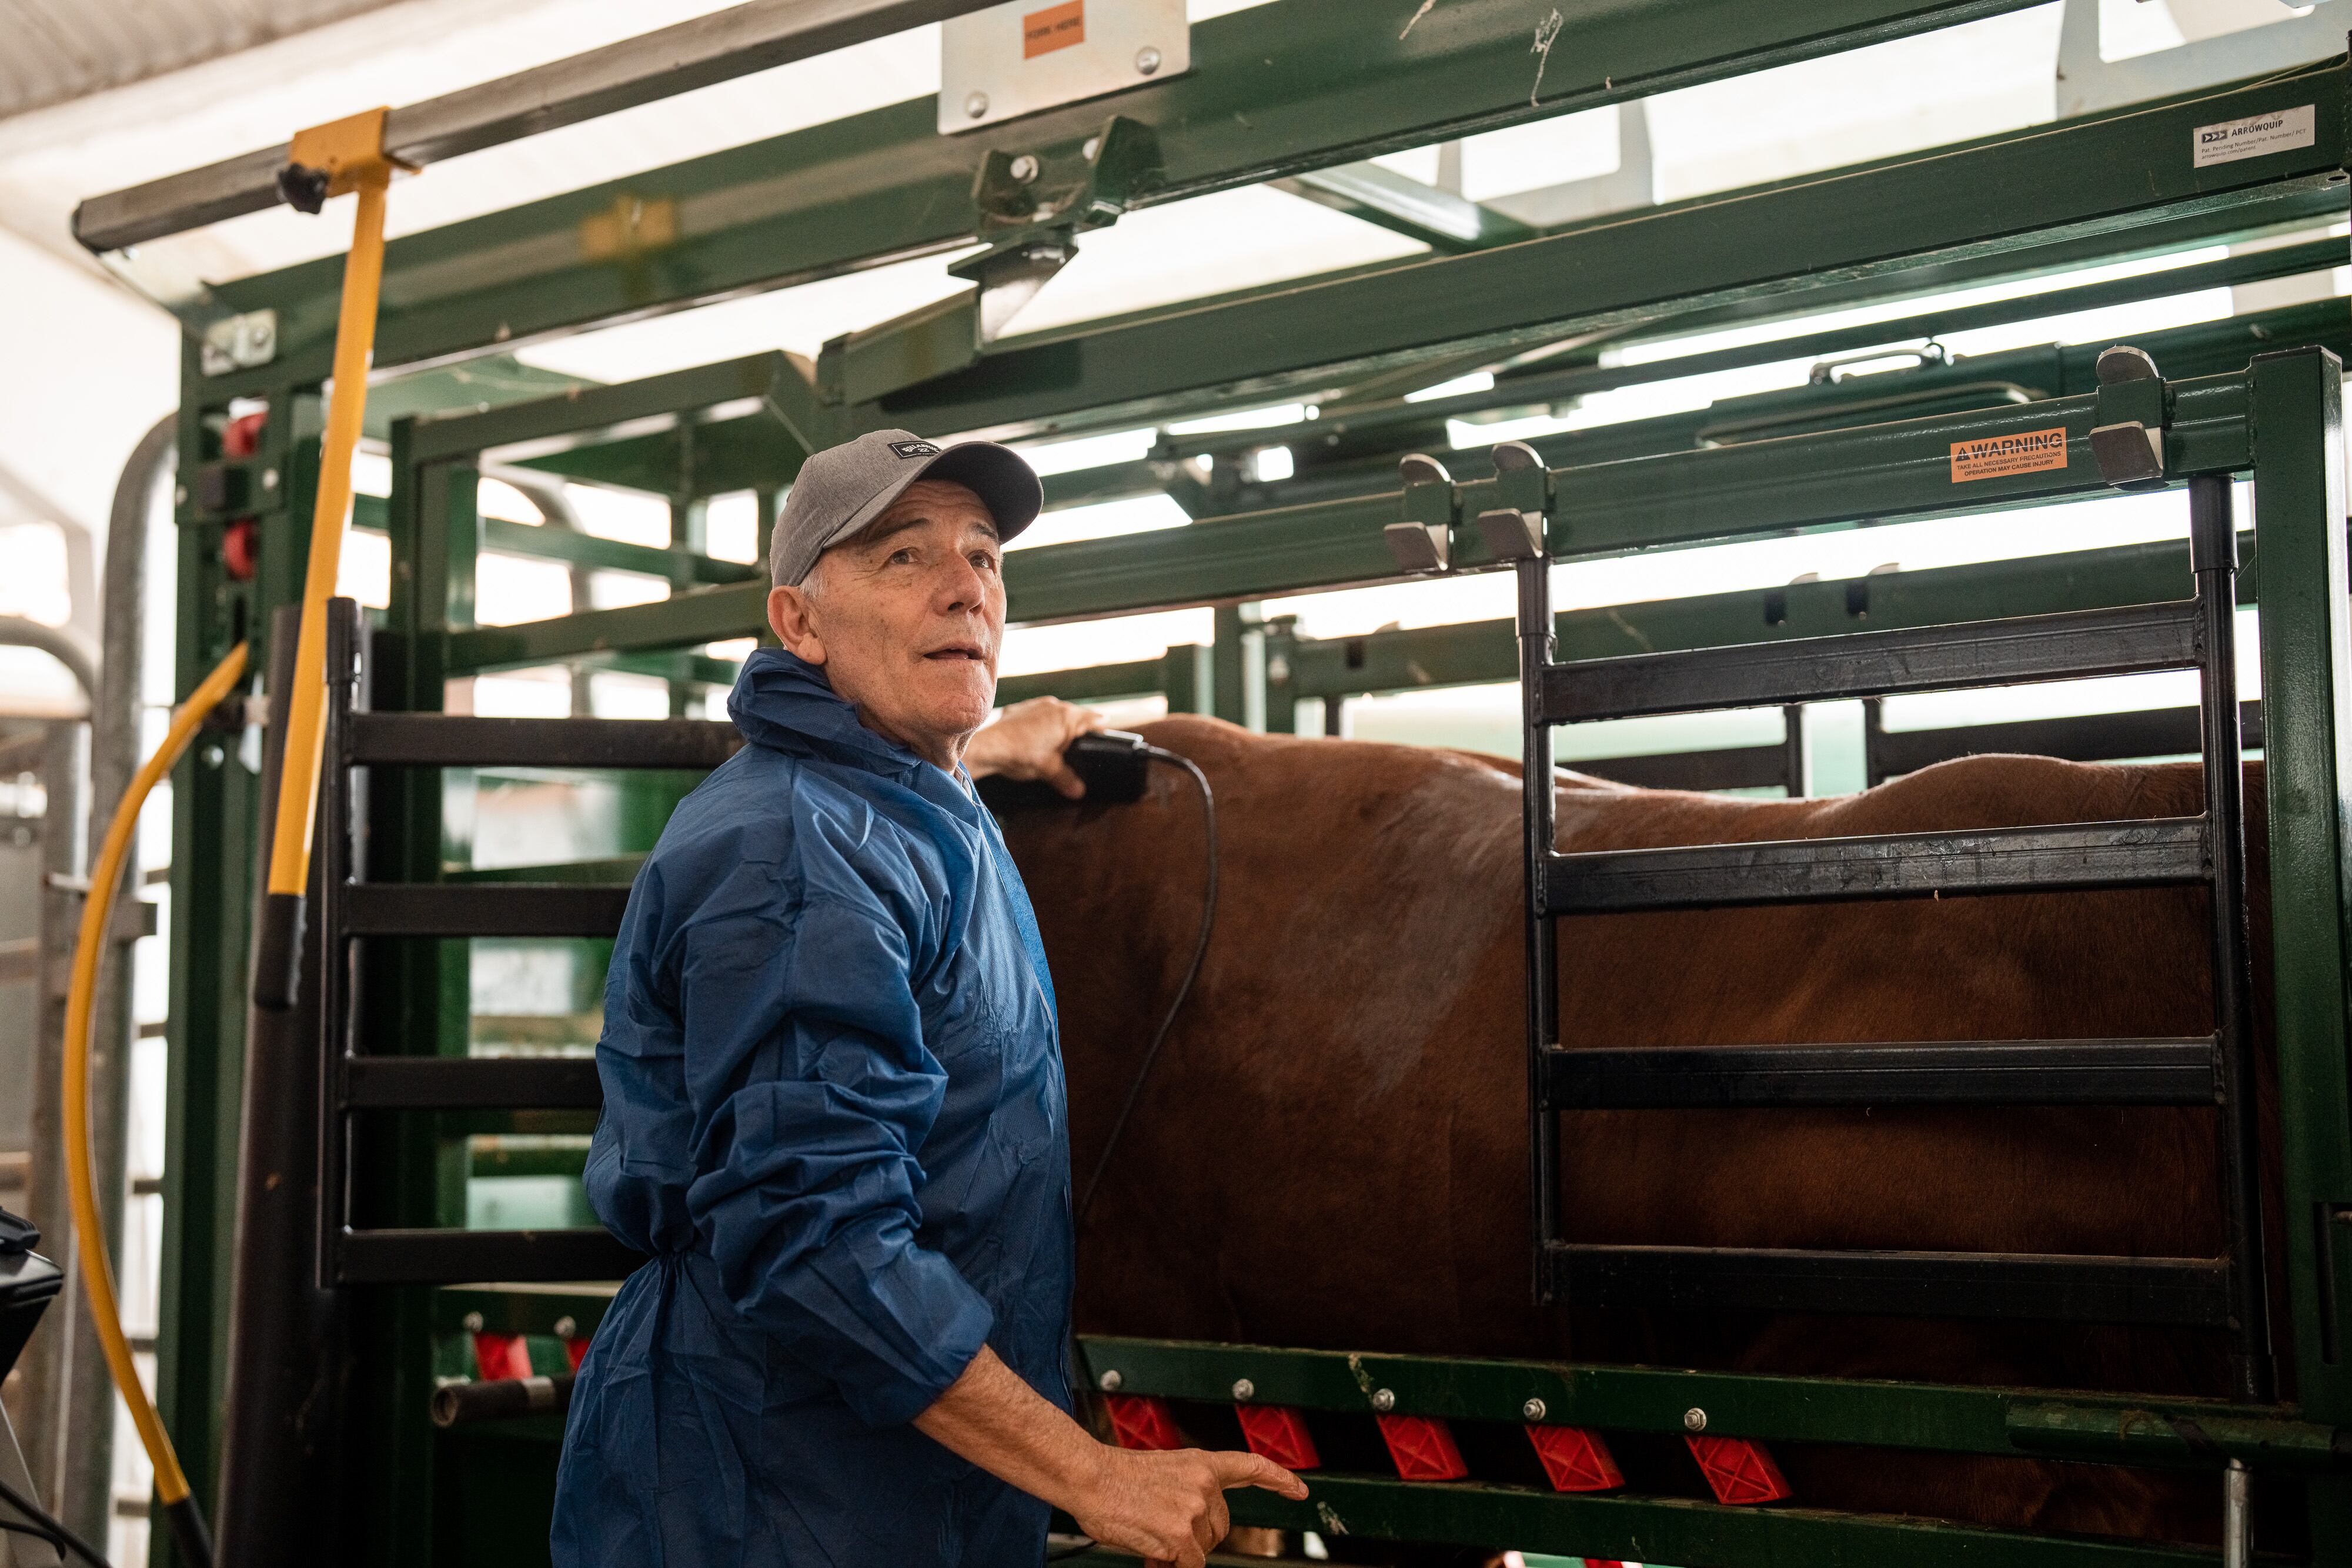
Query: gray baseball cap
x=842, y=488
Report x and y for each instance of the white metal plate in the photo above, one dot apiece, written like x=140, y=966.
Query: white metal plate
x=1015, y=59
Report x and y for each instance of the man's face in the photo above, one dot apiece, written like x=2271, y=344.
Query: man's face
x=907, y=619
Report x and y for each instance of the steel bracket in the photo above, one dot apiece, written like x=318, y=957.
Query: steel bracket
x=2132, y=412
x=1424, y=540
x=237, y=342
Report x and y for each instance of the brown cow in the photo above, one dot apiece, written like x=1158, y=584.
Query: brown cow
x=1331, y=1152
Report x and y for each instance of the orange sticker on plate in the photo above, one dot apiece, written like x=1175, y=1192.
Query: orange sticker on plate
x=1054, y=27
x=2028, y=451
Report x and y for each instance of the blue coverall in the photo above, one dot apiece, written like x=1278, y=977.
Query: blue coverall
x=835, y=1118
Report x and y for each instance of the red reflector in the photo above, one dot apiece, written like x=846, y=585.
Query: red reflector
x=1423, y=1449
x=1142, y=1421
x=1602, y=1563
x=500, y=1355
x=1575, y=1459
x=574, y=1349
x=1738, y=1470
x=1279, y=1433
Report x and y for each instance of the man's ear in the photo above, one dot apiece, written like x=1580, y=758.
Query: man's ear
x=789, y=616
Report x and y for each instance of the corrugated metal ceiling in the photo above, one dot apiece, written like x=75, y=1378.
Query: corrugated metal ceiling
x=52, y=51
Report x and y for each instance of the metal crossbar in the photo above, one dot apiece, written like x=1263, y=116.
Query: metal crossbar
x=2206, y=850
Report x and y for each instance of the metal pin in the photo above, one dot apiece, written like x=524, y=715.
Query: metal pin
x=1109, y=1381
x=1532, y=1410
x=1243, y=1388
x=1383, y=1400
x=2237, y=1515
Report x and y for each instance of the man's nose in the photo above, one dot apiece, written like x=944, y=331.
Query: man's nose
x=960, y=585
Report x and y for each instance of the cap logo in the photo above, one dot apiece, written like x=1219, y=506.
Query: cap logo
x=914, y=449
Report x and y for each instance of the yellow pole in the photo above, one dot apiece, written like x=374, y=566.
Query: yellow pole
x=81, y=1181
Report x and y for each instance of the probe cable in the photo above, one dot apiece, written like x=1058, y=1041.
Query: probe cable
x=1192, y=973
x=46, y=1526
x=180, y=1509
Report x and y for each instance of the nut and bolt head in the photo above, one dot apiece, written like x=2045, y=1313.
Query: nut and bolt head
x=472, y=1322
x=1244, y=1389
x=1093, y=146
x=976, y=105
x=270, y=478
x=1694, y=1419
x=1146, y=59
x=1383, y=1400
x=180, y=495
x=1109, y=1381
x=1532, y=1410
x=565, y=1327
x=1024, y=168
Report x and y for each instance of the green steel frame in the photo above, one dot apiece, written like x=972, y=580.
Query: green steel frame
x=1330, y=90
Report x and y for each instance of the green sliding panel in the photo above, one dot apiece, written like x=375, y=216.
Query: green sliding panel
x=2299, y=487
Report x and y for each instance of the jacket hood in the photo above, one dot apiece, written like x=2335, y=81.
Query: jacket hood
x=784, y=703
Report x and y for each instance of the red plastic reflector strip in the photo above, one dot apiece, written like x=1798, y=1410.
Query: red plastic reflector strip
x=1142, y=1421
x=1602, y=1563
x=1738, y=1470
x=573, y=1349
x=1279, y=1433
x=500, y=1355
x=1423, y=1449
x=1574, y=1459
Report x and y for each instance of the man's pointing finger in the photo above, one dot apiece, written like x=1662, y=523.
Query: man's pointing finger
x=1237, y=1469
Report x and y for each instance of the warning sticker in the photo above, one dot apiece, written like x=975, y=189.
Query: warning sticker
x=2252, y=136
x=2028, y=451
x=1054, y=27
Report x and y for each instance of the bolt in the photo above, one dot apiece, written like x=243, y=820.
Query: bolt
x=1109, y=1381
x=1694, y=1419
x=566, y=1329
x=1532, y=1410
x=270, y=478
x=976, y=105
x=472, y=1322
x=1024, y=169
x=1146, y=59
x=1093, y=146
x=1383, y=1400
x=1243, y=1388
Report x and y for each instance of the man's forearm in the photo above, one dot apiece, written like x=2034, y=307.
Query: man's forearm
x=991, y=1417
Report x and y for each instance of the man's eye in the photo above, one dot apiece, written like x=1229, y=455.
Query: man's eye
x=902, y=558
x=983, y=561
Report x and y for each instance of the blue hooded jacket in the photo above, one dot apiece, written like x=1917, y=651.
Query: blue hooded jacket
x=835, y=1117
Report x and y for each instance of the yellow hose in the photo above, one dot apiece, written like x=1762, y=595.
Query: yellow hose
x=81, y=1182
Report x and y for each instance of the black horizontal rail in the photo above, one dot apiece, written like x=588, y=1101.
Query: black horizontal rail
x=459, y=740
x=2181, y=1071
x=2082, y=738
x=471, y=1084
x=1895, y=865
x=2049, y=1287
x=482, y=909
x=2075, y=645
x=463, y=1256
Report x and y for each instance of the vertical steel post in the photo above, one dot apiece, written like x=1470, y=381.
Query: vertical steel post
x=2213, y=556
x=1543, y=971
x=2298, y=418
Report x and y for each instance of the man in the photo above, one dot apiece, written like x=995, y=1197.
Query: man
x=834, y=1109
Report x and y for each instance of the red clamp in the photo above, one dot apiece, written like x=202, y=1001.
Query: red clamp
x=1142, y=1421
x=1738, y=1472
x=1574, y=1459
x=1279, y=1433
x=1421, y=1447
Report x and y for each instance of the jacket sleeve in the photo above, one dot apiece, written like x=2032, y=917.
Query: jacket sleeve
x=802, y=1029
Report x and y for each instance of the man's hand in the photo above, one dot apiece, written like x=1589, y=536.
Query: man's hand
x=1026, y=741
x=1171, y=1506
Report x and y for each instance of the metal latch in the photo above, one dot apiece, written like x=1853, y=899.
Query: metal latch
x=1424, y=541
x=2129, y=439
x=1514, y=531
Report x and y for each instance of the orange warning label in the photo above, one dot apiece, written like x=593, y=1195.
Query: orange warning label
x=1054, y=27
x=2027, y=452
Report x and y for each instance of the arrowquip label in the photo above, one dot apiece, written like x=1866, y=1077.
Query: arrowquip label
x=1992, y=456
x=2251, y=137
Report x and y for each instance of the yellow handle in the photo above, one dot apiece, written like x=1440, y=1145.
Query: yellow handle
x=298, y=784
x=81, y=1180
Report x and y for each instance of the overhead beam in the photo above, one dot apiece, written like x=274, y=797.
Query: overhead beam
x=1275, y=90
x=719, y=47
